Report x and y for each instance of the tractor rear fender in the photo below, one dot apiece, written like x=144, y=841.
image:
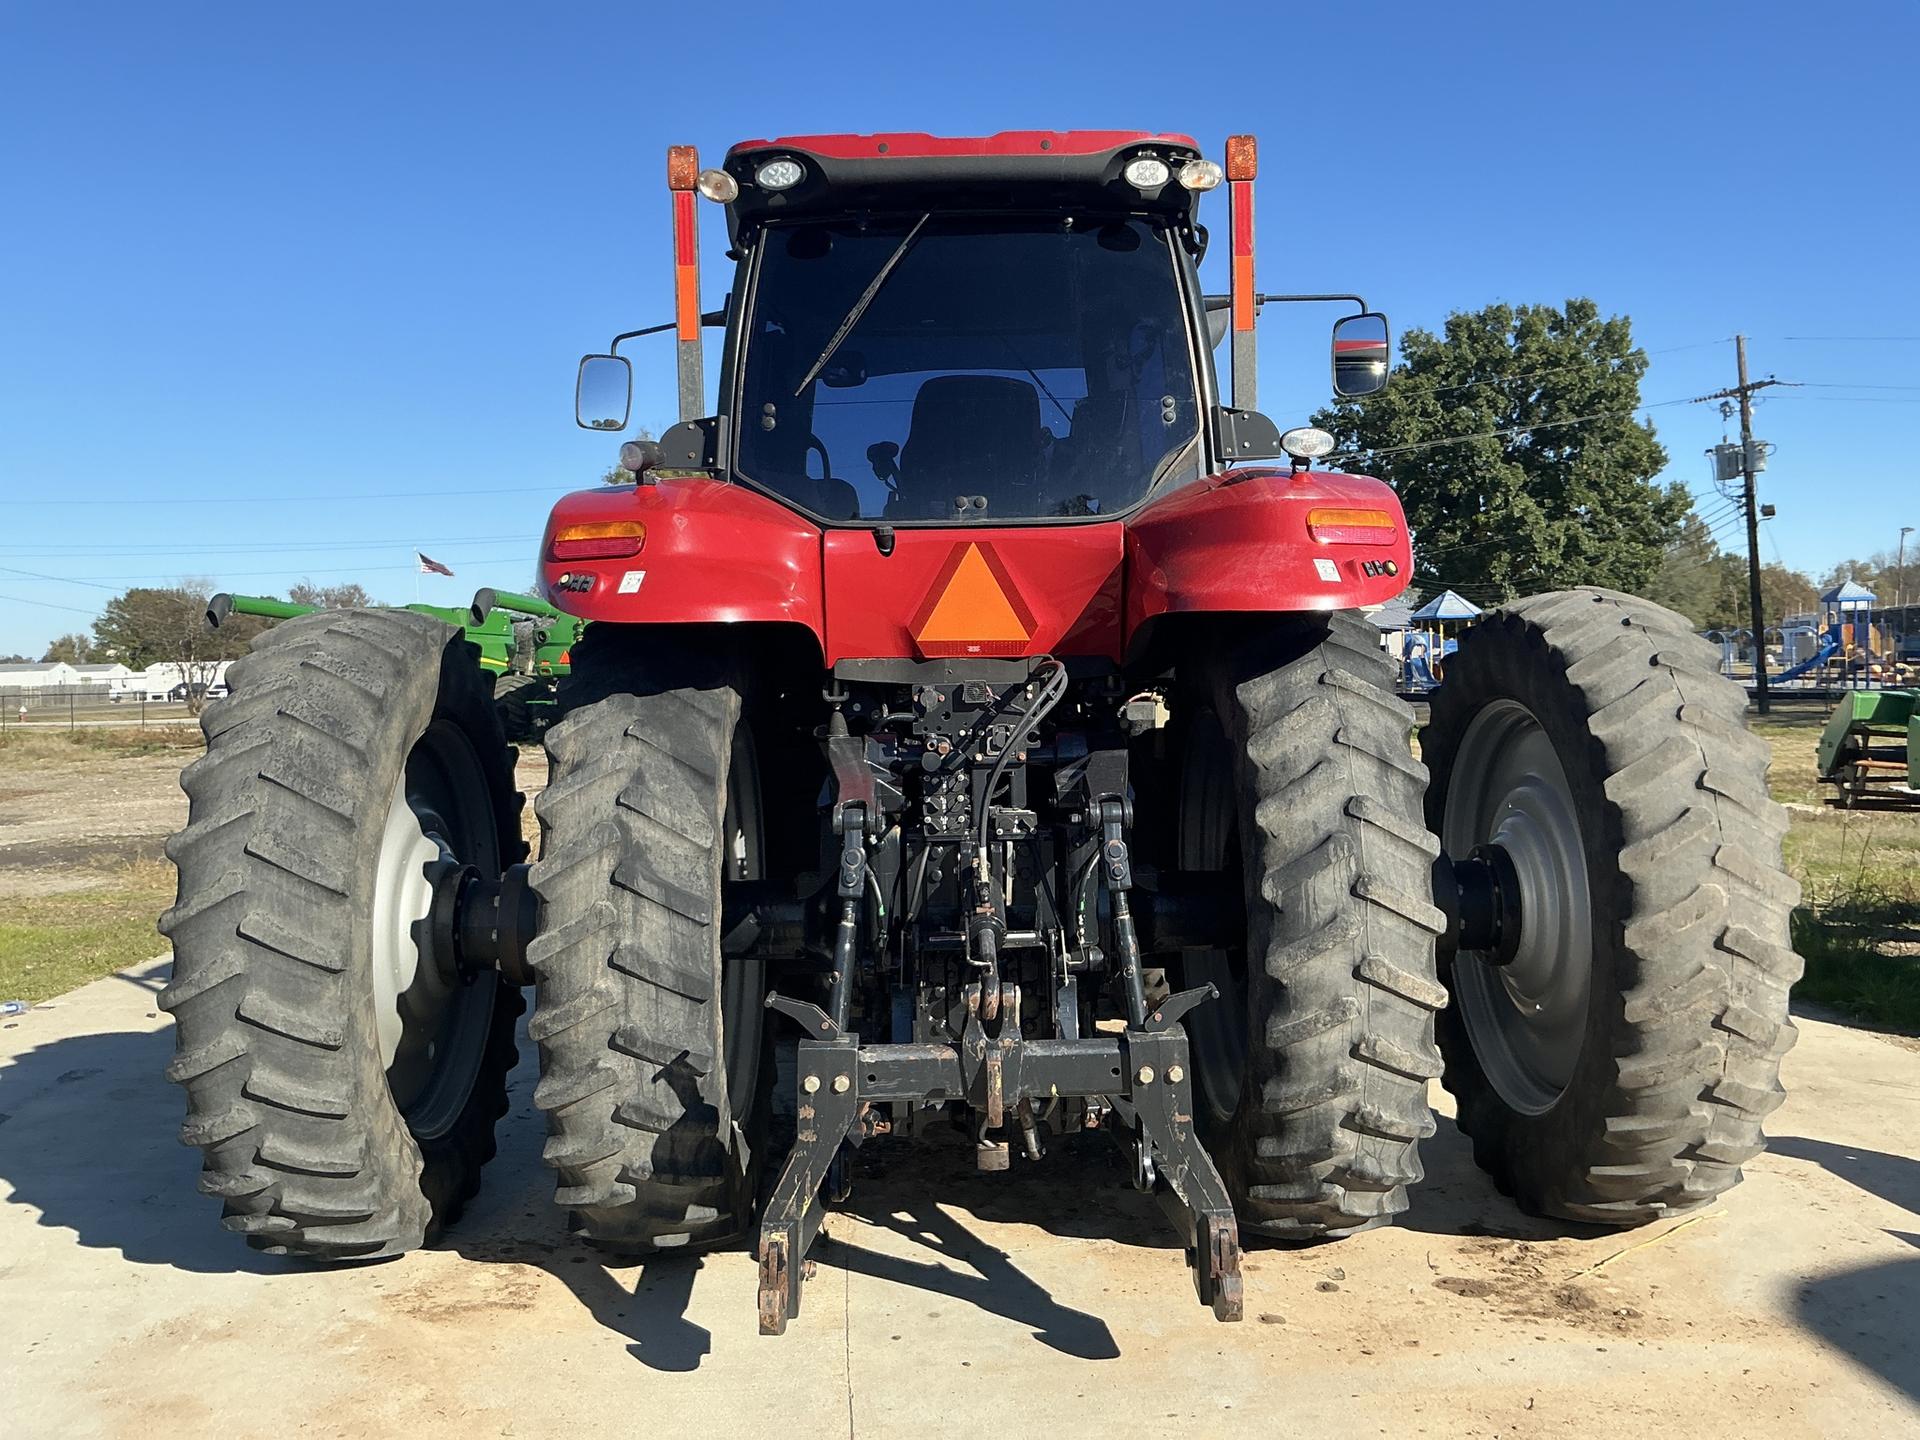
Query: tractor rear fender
x=1262, y=540
x=712, y=553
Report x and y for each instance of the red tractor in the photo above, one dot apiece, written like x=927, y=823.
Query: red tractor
x=979, y=720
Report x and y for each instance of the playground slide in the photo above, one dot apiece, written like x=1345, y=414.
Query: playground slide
x=1828, y=644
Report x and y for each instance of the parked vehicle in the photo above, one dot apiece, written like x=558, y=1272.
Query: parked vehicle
x=977, y=720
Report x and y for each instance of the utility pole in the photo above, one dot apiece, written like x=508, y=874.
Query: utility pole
x=1743, y=392
x=1900, y=571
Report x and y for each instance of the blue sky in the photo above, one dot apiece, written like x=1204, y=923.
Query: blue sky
x=290, y=291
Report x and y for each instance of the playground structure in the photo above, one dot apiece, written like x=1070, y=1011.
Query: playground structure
x=523, y=644
x=1851, y=650
x=1427, y=643
x=1849, y=643
x=1871, y=747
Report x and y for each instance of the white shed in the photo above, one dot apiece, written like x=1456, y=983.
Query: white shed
x=43, y=675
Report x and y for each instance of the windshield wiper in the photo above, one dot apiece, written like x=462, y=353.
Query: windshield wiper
x=860, y=306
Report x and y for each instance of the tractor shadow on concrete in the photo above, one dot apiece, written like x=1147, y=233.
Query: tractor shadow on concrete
x=89, y=1137
x=1869, y=1313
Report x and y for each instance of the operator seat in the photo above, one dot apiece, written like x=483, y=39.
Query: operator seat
x=971, y=435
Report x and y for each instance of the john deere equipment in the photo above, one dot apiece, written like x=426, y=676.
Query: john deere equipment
x=1871, y=747
x=978, y=721
x=522, y=643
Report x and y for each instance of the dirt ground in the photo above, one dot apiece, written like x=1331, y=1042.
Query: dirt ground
x=69, y=809
x=68, y=813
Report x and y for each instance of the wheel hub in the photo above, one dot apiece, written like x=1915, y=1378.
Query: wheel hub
x=1524, y=927
x=435, y=925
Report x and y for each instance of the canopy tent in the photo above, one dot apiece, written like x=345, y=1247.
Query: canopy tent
x=1447, y=606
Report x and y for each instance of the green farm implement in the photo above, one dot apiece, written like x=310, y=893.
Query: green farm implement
x=524, y=646
x=1871, y=747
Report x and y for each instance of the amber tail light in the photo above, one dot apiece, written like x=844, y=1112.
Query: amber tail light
x=602, y=540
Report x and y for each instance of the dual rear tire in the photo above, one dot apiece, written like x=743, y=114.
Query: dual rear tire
x=342, y=1082
x=1619, y=1064
x=651, y=1042
x=343, y=1085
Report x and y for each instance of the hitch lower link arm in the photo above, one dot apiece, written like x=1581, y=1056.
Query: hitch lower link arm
x=1144, y=1071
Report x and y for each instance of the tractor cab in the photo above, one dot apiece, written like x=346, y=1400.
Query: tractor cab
x=921, y=345
x=928, y=332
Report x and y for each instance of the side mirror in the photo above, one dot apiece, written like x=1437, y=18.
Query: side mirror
x=1361, y=355
x=603, y=395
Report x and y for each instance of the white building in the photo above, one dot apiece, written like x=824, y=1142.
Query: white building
x=118, y=679
x=160, y=679
x=43, y=675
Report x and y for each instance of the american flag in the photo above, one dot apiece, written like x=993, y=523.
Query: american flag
x=430, y=567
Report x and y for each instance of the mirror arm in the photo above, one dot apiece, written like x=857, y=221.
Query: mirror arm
x=711, y=317
x=1291, y=299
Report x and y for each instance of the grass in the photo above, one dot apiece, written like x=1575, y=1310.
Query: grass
x=21, y=748
x=1851, y=970
x=50, y=944
x=1858, y=927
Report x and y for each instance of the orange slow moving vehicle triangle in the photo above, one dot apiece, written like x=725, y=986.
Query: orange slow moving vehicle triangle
x=973, y=608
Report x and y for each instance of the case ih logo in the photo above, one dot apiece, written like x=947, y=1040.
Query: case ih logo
x=972, y=608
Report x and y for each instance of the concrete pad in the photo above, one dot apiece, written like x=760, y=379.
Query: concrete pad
x=946, y=1300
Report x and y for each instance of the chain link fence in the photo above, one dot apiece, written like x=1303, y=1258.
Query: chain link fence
x=69, y=707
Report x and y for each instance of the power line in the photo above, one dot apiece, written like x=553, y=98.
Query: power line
x=1403, y=389
x=1847, y=385
x=1518, y=429
x=96, y=582
x=1857, y=399
x=319, y=497
x=247, y=547
x=46, y=604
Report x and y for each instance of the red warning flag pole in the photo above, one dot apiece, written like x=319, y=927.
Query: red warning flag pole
x=1242, y=164
x=683, y=172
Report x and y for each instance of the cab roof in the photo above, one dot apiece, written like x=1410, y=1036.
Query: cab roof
x=912, y=171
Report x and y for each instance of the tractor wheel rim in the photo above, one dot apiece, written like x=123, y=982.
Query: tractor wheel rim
x=431, y=1028
x=1526, y=1019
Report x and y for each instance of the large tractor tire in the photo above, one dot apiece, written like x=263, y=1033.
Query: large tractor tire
x=650, y=1046
x=1296, y=768
x=342, y=1082
x=1618, y=1066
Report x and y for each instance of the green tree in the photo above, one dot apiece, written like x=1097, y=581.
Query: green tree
x=1783, y=592
x=1512, y=441
x=618, y=474
x=331, y=597
x=1689, y=576
x=1893, y=577
x=74, y=649
x=1861, y=572
x=148, y=625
